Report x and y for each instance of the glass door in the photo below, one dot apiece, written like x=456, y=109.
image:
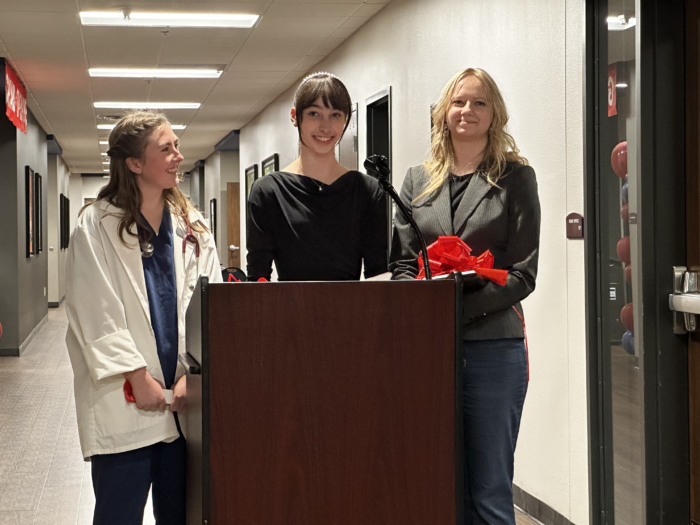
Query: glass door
x=635, y=235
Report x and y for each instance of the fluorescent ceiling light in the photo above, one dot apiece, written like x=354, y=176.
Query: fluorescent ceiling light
x=620, y=23
x=621, y=85
x=147, y=105
x=129, y=19
x=103, y=153
x=111, y=126
x=104, y=142
x=154, y=73
x=106, y=162
x=105, y=176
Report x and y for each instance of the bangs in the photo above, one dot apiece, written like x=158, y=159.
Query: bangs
x=332, y=92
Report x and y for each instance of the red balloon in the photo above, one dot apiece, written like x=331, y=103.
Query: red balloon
x=623, y=250
x=627, y=317
x=625, y=213
x=618, y=159
x=628, y=273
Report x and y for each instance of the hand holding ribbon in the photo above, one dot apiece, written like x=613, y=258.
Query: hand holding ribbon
x=451, y=254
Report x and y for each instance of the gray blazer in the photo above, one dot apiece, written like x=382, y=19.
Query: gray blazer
x=503, y=219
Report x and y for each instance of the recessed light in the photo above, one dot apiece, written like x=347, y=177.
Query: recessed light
x=154, y=73
x=111, y=126
x=620, y=23
x=129, y=19
x=103, y=153
x=147, y=105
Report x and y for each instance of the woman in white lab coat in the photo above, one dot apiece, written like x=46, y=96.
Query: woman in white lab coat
x=133, y=261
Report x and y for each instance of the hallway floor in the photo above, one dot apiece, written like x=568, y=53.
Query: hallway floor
x=43, y=478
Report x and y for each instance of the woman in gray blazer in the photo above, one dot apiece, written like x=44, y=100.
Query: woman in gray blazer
x=475, y=185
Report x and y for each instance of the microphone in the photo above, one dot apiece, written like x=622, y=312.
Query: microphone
x=378, y=167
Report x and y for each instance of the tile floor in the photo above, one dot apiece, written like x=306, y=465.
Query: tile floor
x=43, y=478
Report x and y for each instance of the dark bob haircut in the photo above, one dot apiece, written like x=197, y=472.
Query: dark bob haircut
x=332, y=91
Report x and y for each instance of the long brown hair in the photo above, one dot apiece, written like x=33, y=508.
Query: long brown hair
x=129, y=139
x=332, y=91
x=500, y=147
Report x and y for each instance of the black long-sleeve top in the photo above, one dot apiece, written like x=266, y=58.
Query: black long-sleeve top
x=316, y=235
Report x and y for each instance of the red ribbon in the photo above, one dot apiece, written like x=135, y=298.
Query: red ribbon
x=451, y=254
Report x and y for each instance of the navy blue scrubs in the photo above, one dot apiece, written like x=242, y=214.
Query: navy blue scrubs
x=121, y=481
x=159, y=271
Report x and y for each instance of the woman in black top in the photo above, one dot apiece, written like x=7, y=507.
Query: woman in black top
x=315, y=219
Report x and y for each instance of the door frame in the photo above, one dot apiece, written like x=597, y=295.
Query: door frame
x=661, y=61
x=692, y=68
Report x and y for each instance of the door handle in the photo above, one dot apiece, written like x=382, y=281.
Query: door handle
x=233, y=248
x=685, y=301
x=190, y=364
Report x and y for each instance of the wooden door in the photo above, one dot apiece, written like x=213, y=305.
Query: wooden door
x=233, y=224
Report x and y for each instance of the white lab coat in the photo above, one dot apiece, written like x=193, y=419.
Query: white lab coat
x=110, y=329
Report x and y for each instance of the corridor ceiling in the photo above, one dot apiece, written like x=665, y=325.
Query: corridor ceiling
x=45, y=43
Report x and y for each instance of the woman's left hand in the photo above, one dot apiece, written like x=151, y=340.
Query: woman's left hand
x=179, y=392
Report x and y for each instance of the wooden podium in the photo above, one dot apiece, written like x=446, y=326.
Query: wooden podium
x=324, y=403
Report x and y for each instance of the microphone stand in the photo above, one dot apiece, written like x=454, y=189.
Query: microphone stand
x=378, y=167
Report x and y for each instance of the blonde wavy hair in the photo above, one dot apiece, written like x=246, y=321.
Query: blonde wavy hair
x=500, y=147
x=129, y=139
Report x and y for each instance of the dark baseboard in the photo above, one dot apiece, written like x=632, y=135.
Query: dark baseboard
x=54, y=305
x=540, y=511
x=9, y=352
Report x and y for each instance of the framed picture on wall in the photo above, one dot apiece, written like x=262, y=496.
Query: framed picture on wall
x=30, y=214
x=271, y=164
x=38, y=214
x=212, y=216
x=251, y=174
x=61, y=205
x=64, y=223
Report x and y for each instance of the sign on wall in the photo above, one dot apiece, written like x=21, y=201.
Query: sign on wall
x=15, y=99
x=612, y=93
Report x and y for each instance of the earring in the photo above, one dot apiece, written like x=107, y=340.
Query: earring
x=445, y=129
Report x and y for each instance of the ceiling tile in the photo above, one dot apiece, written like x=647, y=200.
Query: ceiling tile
x=204, y=41
x=307, y=63
x=291, y=26
x=121, y=89
x=182, y=90
x=369, y=9
x=271, y=63
x=258, y=46
x=15, y=40
x=251, y=77
x=312, y=9
x=11, y=18
x=350, y=26
x=325, y=47
x=39, y=5
x=210, y=54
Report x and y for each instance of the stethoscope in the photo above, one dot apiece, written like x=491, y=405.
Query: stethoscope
x=147, y=249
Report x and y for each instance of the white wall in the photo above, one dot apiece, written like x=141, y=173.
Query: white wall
x=75, y=189
x=58, y=183
x=534, y=50
x=91, y=187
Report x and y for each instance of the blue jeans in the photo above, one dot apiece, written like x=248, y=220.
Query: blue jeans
x=121, y=482
x=494, y=387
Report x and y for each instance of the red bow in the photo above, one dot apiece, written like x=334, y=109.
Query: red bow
x=451, y=254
